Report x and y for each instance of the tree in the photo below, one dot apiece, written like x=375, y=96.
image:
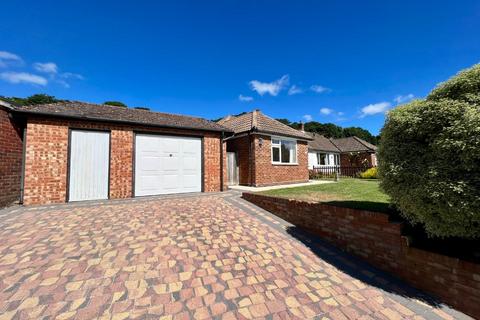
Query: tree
x=429, y=158
x=115, y=103
x=40, y=98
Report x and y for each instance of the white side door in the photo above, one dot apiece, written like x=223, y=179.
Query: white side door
x=167, y=164
x=89, y=165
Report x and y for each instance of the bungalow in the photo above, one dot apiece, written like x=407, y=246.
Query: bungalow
x=72, y=151
x=264, y=151
x=341, y=152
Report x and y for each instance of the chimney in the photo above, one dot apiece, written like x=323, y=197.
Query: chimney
x=302, y=126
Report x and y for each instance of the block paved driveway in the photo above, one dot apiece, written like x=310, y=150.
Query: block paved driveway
x=182, y=257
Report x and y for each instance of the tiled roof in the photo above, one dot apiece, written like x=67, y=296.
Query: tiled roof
x=98, y=112
x=320, y=143
x=349, y=144
x=353, y=144
x=261, y=123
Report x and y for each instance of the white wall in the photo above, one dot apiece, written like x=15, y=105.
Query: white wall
x=312, y=159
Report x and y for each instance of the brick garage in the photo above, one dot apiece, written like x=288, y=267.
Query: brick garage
x=11, y=148
x=47, y=146
x=372, y=237
x=47, y=153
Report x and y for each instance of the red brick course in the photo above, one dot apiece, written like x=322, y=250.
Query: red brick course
x=371, y=236
x=255, y=162
x=47, y=154
x=11, y=149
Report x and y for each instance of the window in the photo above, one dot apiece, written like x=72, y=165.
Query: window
x=284, y=151
x=322, y=159
x=337, y=159
x=328, y=159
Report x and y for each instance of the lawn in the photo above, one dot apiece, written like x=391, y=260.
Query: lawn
x=351, y=193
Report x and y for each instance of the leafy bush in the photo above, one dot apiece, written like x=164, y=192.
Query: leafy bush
x=429, y=158
x=371, y=173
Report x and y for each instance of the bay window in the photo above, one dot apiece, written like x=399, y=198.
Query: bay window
x=284, y=151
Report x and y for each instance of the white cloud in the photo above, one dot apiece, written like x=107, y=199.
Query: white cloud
x=47, y=67
x=69, y=75
x=307, y=117
x=245, y=98
x=8, y=57
x=341, y=113
x=319, y=89
x=326, y=111
x=23, y=77
x=272, y=88
x=375, y=108
x=294, y=90
x=401, y=99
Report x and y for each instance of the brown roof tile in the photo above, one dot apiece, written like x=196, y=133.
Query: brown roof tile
x=98, y=112
x=320, y=143
x=261, y=123
x=353, y=144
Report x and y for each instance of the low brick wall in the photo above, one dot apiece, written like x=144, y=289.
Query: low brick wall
x=371, y=236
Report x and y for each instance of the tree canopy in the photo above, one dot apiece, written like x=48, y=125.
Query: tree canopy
x=331, y=130
x=115, y=103
x=39, y=98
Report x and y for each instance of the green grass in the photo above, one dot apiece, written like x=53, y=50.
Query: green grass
x=351, y=193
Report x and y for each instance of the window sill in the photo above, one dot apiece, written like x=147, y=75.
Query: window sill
x=284, y=164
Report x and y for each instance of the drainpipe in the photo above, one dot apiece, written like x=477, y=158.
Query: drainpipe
x=221, y=160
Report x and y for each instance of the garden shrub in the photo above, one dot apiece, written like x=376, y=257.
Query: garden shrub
x=371, y=173
x=429, y=158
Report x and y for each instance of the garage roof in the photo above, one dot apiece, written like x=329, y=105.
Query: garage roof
x=99, y=112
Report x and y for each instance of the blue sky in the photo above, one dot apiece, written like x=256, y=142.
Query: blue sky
x=332, y=61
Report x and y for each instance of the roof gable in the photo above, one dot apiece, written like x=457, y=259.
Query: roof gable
x=353, y=144
x=259, y=122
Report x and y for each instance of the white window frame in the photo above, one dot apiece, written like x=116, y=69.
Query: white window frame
x=279, y=145
x=327, y=159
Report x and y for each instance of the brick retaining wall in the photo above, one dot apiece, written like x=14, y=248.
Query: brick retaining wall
x=371, y=236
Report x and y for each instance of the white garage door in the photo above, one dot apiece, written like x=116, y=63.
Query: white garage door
x=167, y=164
x=89, y=162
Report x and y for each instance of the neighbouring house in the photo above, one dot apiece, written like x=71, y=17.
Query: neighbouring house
x=340, y=152
x=72, y=151
x=264, y=151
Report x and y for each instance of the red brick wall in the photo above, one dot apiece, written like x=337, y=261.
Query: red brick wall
x=121, y=156
x=346, y=160
x=371, y=236
x=242, y=147
x=47, y=153
x=266, y=173
x=11, y=149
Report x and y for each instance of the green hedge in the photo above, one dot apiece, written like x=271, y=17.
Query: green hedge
x=429, y=158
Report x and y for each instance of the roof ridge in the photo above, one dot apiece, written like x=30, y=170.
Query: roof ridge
x=121, y=108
